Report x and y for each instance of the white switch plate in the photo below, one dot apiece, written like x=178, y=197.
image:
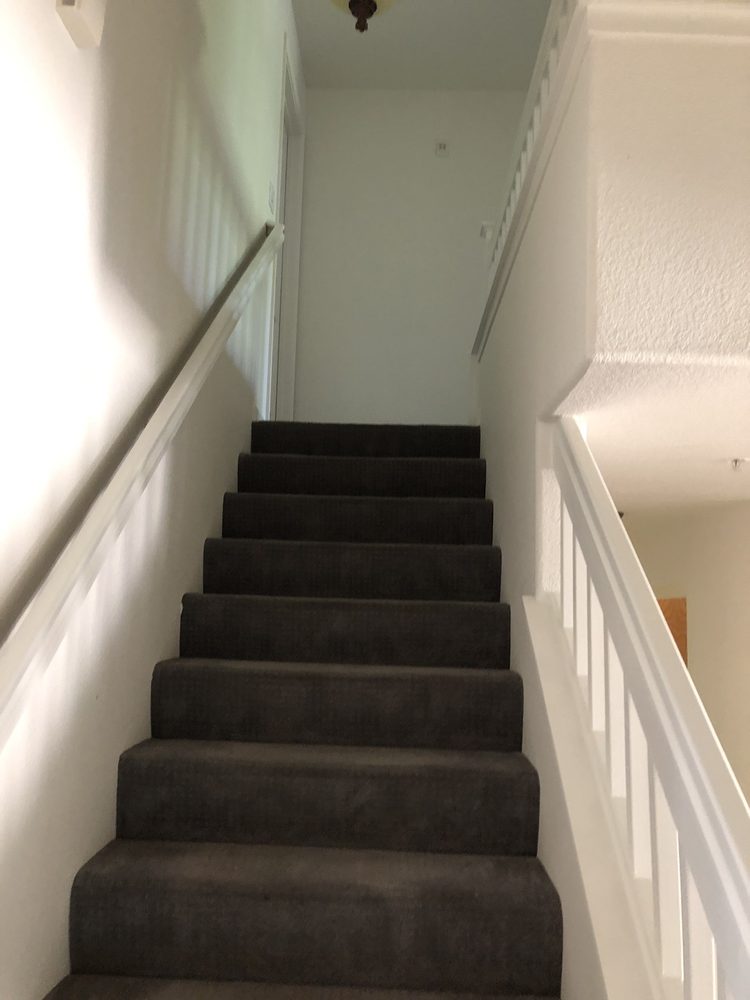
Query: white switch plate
x=84, y=20
x=442, y=149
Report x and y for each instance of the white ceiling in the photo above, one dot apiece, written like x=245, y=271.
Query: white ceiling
x=669, y=438
x=422, y=44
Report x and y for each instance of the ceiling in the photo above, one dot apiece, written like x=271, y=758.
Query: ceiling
x=669, y=439
x=422, y=44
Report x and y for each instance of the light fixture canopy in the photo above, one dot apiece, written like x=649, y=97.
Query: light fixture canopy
x=363, y=10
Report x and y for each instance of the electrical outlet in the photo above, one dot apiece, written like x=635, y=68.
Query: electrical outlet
x=442, y=149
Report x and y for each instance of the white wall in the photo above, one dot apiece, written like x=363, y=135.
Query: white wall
x=139, y=177
x=703, y=554
x=605, y=272
x=536, y=352
x=393, y=269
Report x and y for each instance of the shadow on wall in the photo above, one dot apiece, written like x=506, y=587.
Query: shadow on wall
x=172, y=225
x=174, y=205
x=58, y=761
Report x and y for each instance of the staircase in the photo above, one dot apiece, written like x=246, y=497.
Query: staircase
x=333, y=804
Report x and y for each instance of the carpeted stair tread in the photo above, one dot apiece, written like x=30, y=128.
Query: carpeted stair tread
x=356, y=797
x=424, y=520
x=317, y=916
x=373, y=440
x=355, y=476
x=439, y=707
x=120, y=988
x=352, y=570
x=416, y=633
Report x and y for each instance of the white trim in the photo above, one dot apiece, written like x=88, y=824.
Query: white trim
x=292, y=117
x=710, y=814
x=616, y=920
x=41, y=625
x=670, y=17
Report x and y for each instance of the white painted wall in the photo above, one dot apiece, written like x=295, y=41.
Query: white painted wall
x=138, y=178
x=393, y=269
x=536, y=352
x=703, y=554
x=612, y=268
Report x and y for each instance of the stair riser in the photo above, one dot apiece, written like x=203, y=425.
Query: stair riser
x=397, y=940
x=219, y=799
x=375, y=441
x=362, y=707
x=377, y=477
x=431, y=634
x=358, y=519
x=453, y=573
x=122, y=988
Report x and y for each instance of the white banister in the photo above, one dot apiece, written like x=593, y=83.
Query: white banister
x=534, y=127
x=41, y=623
x=685, y=826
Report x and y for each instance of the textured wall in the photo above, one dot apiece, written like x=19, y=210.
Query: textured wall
x=670, y=162
x=670, y=172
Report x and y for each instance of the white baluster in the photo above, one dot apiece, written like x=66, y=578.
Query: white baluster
x=566, y=568
x=597, y=663
x=666, y=866
x=544, y=93
x=581, y=622
x=616, y=727
x=553, y=59
x=697, y=941
x=723, y=991
x=638, y=795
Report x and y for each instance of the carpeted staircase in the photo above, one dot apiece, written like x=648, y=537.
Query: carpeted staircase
x=334, y=804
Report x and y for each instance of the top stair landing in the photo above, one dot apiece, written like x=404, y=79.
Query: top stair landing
x=365, y=440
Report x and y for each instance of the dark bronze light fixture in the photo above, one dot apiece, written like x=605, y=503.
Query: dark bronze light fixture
x=363, y=10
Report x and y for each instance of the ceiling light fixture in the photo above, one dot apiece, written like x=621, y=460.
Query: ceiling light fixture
x=363, y=10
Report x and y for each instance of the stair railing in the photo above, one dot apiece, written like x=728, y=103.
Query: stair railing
x=35, y=633
x=536, y=126
x=684, y=823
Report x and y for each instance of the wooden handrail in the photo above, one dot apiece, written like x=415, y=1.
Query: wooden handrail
x=41, y=624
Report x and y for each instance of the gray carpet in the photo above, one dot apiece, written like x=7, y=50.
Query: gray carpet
x=419, y=520
x=116, y=988
x=333, y=805
x=335, y=704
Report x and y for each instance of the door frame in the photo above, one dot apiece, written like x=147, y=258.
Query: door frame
x=288, y=263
